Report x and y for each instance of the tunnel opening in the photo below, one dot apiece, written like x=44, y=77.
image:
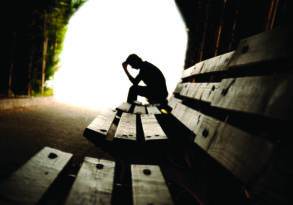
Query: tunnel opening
x=99, y=38
x=228, y=126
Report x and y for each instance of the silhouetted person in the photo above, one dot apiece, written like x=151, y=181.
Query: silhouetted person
x=155, y=90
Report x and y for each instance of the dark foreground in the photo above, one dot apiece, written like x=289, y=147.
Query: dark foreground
x=25, y=131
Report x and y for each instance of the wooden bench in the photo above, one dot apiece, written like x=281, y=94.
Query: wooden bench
x=232, y=114
x=95, y=182
x=130, y=126
x=239, y=106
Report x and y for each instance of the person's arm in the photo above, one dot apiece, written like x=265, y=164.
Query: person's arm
x=133, y=80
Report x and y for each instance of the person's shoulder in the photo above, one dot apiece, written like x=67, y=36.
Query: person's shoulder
x=150, y=65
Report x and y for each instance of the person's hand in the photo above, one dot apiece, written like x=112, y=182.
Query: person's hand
x=124, y=65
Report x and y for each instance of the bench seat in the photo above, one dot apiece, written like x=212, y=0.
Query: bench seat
x=95, y=182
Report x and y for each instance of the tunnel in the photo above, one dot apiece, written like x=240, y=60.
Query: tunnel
x=223, y=137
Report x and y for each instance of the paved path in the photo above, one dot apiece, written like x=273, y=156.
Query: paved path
x=26, y=130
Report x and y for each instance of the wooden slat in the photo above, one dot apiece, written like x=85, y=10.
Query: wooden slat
x=127, y=127
x=185, y=88
x=94, y=183
x=153, y=110
x=186, y=115
x=218, y=63
x=173, y=102
x=139, y=109
x=102, y=123
x=151, y=128
x=205, y=131
x=124, y=107
x=148, y=186
x=178, y=88
x=192, y=70
x=264, y=47
x=199, y=91
x=267, y=95
x=209, y=91
x=244, y=155
x=30, y=182
x=193, y=90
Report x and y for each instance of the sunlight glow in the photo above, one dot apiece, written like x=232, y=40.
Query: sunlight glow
x=102, y=34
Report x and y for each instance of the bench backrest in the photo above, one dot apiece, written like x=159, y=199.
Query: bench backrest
x=239, y=104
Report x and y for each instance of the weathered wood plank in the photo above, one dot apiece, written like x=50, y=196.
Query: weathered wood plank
x=191, y=90
x=30, y=182
x=199, y=91
x=127, y=127
x=173, y=102
x=264, y=47
x=125, y=107
x=148, y=185
x=267, y=95
x=94, y=183
x=178, y=88
x=153, y=110
x=218, y=63
x=139, y=109
x=241, y=153
x=102, y=123
x=186, y=115
x=151, y=128
x=205, y=131
x=209, y=92
x=193, y=70
x=185, y=88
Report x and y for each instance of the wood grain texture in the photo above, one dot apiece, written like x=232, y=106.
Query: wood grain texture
x=185, y=88
x=148, y=186
x=178, y=88
x=209, y=92
x=127, y=127
x=267, y=95
x=186, y=115
x=218, y=63
x=241, y=153
x=27, y=184
x=139, y=109
x=193, y=70
x=125, y=107
x=94, y=183
x=199, y=91
x=102, y=123
x=205, y=131
x=215, y=64
x=264, y=47
x=190, y=90
x=153, y=110
x=173, y=102
x=151, y=128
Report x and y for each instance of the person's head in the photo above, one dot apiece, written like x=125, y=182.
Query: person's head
x=134, y=60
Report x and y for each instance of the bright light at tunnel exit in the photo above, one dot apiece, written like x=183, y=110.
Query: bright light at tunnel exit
x=102, y=34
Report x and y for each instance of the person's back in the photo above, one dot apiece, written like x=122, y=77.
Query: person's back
x=154, y=79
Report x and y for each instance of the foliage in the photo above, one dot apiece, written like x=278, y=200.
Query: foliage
x=47, y=92
x=57, y=22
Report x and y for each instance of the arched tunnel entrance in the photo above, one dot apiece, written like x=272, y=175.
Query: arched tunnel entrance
x=223, y=139
x=98, y=41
